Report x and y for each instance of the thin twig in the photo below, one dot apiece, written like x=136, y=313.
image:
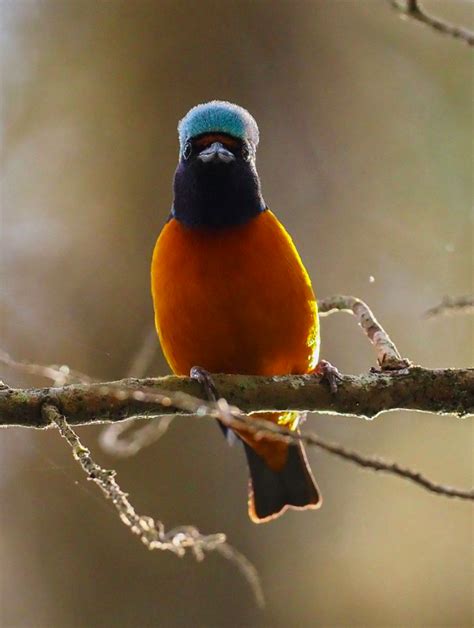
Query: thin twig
x=260, y=428
x=150, y=531
x=246, y=568
x=379, y=464
x=412, y=9
x=388, y=356
x=231, y=416
x=145, y=354
x=452, y=305
x=58, y=374
x=127, y=438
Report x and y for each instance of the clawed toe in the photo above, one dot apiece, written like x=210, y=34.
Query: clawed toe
x=205, y=379
x=328, y=373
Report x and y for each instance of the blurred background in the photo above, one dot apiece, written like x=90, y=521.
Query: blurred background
x=366, y=156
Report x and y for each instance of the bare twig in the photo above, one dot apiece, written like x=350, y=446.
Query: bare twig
x=127, y=439
x=412, y=9
x=231, y=416
x=260, y=428
x=373, y=462
x=145, y=354
x=388, y=356
x=246, y=568
x=150, y=531
x=452, y=305
x=58, y=374
x=378, y=464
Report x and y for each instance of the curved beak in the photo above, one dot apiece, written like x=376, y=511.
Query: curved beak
x=216, y=152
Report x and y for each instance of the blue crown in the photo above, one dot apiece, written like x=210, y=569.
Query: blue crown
x=218, y=116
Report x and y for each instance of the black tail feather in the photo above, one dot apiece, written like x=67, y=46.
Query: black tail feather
x=272, y=492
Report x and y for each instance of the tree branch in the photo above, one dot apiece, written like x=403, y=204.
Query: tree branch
x=152, y=401
x=452, y=305
x=388, y=356
x=412, y=9
x=445, y=391
x=151, y=532
x=395, y=385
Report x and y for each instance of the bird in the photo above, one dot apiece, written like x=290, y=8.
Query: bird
x=231, y=294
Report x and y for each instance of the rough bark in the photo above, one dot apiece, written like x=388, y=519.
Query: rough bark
x=444, y=391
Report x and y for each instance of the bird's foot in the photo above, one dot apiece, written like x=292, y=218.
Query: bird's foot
x=329, y=373
x=205, y=379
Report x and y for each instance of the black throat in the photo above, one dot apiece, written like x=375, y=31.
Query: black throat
x=216, y=195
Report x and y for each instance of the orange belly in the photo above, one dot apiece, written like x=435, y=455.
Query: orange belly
x=235, y=300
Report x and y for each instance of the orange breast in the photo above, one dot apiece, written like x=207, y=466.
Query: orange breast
x=234, y=300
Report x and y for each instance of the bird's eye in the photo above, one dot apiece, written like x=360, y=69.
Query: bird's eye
x=246, y=151
x=187, y=150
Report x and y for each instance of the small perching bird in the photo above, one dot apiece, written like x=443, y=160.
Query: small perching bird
x=231, y=293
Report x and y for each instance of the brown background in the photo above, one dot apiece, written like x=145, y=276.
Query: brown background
x=366, y=156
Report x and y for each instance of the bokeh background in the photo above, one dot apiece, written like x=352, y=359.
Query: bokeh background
x=366, y=156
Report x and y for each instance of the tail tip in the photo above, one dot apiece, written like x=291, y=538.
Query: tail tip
x=284, y=507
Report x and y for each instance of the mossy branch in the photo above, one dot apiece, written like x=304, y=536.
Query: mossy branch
x=444, y=391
